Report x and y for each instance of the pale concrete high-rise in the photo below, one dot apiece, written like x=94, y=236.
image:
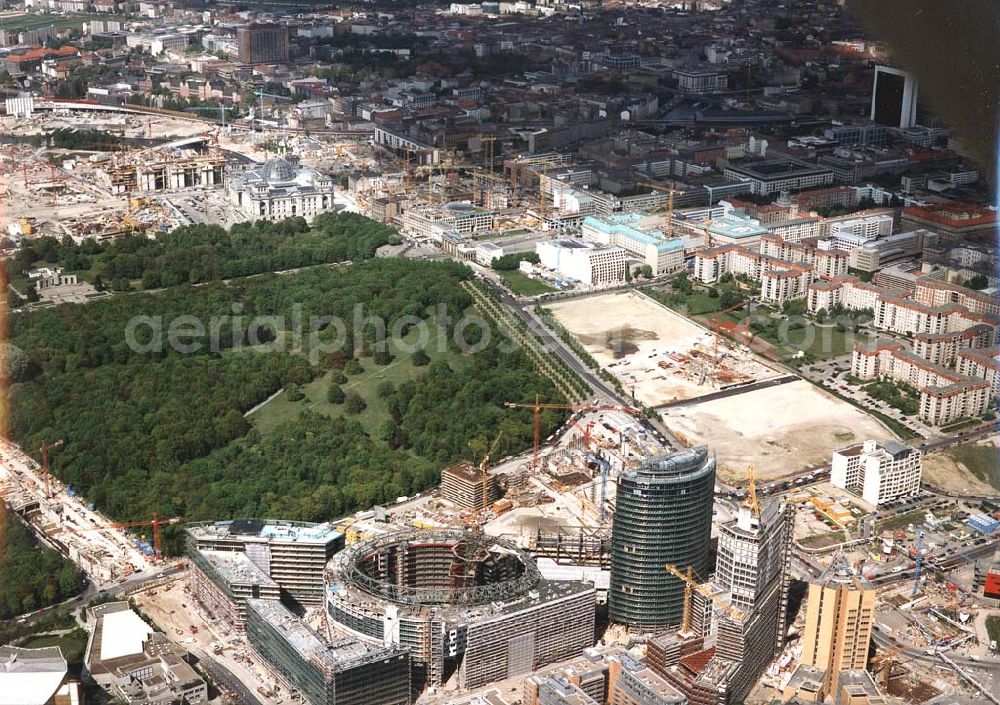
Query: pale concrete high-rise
x=878, y=471
x=840, y=612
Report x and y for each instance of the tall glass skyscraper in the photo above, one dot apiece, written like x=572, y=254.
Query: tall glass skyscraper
x=663, y=514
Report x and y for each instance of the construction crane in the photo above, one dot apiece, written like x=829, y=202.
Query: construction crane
x=260, y=118
x=919, y=562
x=715, y=326
x=156, y=522
x=46, y=476
x=670, y=202
x=752, y=492
x=538, y=407
x=690, y=585
x=221, y=108
x=486, y=458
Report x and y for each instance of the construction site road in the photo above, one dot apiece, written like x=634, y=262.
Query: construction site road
x=722, y=394
x=225, y=680
x=555, y=344
x=80, y=602
x=886, y=642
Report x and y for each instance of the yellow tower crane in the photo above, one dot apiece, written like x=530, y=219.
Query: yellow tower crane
x=752, y=492
x=670, y=203
x=690, y=585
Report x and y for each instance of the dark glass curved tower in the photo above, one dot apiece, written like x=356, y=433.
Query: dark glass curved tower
x=663, y=514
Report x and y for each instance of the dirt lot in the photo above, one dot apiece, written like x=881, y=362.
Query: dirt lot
x=947, y=472
x=634, y=337
x=175, y=611
x=780, y=429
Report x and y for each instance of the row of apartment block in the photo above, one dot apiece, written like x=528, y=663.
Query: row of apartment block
x=946, y=395
x=785, y=269
x=897, y=311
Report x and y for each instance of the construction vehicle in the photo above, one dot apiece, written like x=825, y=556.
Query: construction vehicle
x=156, y=522
x=690, y=585
x=46, y=476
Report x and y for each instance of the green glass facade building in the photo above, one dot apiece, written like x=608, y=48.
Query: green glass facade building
x=663, y=514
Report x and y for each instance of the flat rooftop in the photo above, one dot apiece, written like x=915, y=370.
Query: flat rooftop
x=736, y=227
x=236, y=568
x=277, y=530
x=338, y=654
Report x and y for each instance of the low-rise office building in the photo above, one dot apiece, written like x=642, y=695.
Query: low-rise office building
x=767, y=176
x=36, y=677
x=135, y=664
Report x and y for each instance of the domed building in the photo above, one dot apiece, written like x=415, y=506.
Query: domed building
x=279, y=189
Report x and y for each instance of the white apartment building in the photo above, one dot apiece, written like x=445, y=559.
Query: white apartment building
x=823, y=296
x=795, y=229
x=869, y=227
x=584, y=262
x=830, y=263
x=962, y=400
x=772, y=254
x=942, y=348
x=946, y=395
x=877, y=471
x=981, y=364
x=935, y=292
x=780, y=285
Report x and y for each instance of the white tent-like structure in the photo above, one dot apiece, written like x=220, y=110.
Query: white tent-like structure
x=30, y=676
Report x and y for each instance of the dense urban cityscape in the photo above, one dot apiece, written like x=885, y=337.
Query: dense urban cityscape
x=531, y=352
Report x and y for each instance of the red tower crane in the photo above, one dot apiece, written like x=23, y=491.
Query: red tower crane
x=156, y=522
x=538, y=406
x=44, y=450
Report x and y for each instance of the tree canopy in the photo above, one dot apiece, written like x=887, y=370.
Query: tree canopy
x=31, y=576
x=163, y=430
x=200, y=253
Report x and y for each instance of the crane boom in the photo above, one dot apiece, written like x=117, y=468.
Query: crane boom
x=690, y=585
x=752, y=492
x=46, y=476
x=156, y=522
x=670, y=191
x=539, y=406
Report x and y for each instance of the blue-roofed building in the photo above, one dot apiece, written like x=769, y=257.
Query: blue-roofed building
x=983, y=523
x=638, y=235
x=735, y=229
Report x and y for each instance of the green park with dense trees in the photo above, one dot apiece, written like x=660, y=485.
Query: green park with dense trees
x=151, y=428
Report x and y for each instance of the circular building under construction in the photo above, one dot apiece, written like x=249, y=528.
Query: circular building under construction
x=459, y=601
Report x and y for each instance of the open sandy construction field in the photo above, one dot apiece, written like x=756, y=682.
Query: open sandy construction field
x=654, y=351
x=948, y=471
x=780, y=429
